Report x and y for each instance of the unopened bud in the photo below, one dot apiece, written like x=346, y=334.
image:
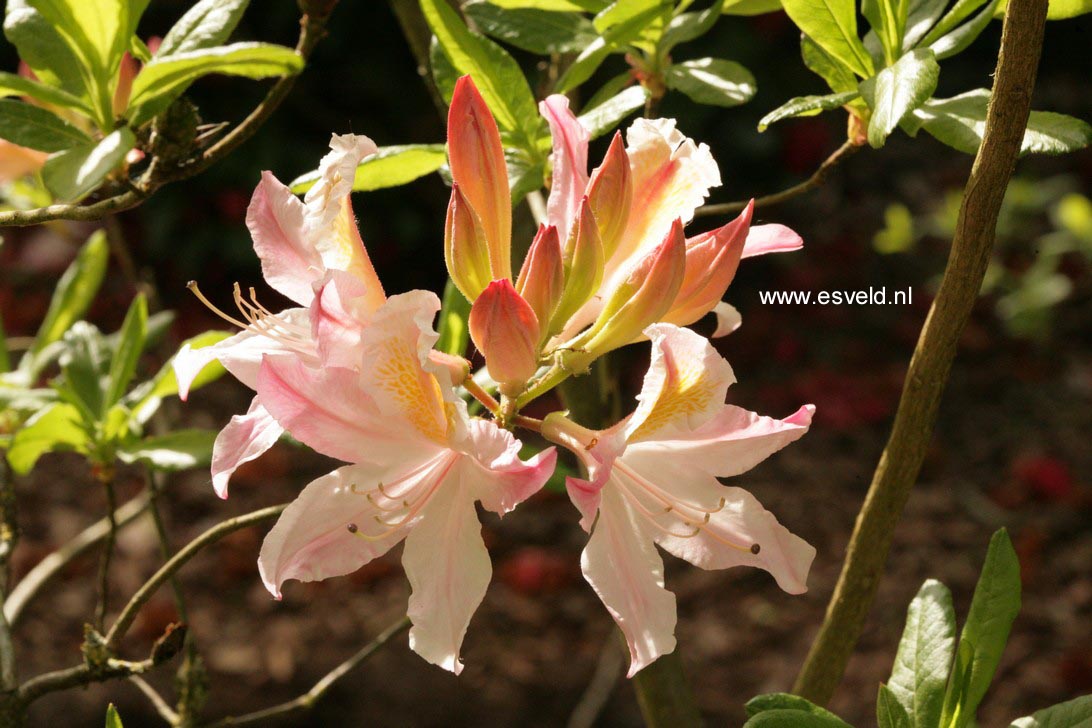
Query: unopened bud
x=542, y=278
x=506, y=331
x=455, y=368
x=478, y=167
x=610, y=194
x=583, y=261
x=466, y=250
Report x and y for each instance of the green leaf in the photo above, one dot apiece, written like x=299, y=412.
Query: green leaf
x=57, y=427
x=178, y=450
x=74, y=293
x=555, y=6
x=208, y=23
x=784, y=718
x=961, y=10
x=444, y=75
x=688, y=26
x=454, y=313
x=146, y=398
x=751, y=7
x=921, y=667
x=130, y=343
x=389, y=167
x=167, y=77
x=602, y=118
x=48, y=54
x=832, y=24
x=34, y=127
x=138, y=49
x=994, y=606
x=838, y=75
x=890, y=713
x=77, y=171
x=82, y=364
x=5, y=358
x=964, y=35
x=806, y=106
x=785, y=701
x=497, y=76
x=960, y=122
x=888, y=19
x=539, y=31
x=524, y=176
x=1076, y=713
x=113, y=720
x=898, y=90
x=1065, y=9
x=612, y=40
x=13, y=85
x=609, y=90
x=712, y=81
x=923, y=15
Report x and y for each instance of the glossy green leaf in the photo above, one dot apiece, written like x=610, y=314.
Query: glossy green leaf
x=1066, y=9
x=606, y=116
x=688, y=26
x=113, y=720
x=444, y=75
x=609, y=90
x=539, y=31
x=751, y=7
x=785, y=718
x=13, y=85
x=994, y=607
x=166, y=77
x=920, y=672
x=785, y=701
x=73, y=173
x=838, y=75
x=82, y=363
x=960, y=11
x=496, y=74
x=897, y=90
x=524, y=176
x=57, y=427
x=74, y=292
x=208, y=23
x=888, y=20
x=832, y=24
x=557, y=6
x=34, y=127
x=389, y=167
x=454, y=313
x=923, y=15
x=806, y=106
x=713, y=81
x=890, y=713
x=957, y=40
x=179, y=450
x=138, y=49
x=623, y=11
x=130, y=344
x=146, y=398
x=613, y=39
x=48, y=54
x=1075, y=713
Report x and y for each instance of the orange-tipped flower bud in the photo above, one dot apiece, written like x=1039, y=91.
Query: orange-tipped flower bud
x=642, y=298
x=466, y=250
x=477, y=166
x=506, y=331
x=583, y=262
x=542, y=277
x=610, y=194
x=712, y=259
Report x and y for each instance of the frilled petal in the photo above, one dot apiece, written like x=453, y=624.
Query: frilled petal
x=728, y=319
x=241, y=354
x=570, y=163
x=276, y=219
x=497, y=476
x=339, y=315
x=448, y=569
x=337, y=171
x=762, y=239
x=312, y=541
x=622, y=566
x=244, y=438
x=685, y=384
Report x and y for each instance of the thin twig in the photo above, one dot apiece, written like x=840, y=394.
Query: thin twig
x=72, y=677
x=9, y=534
x=478, y=392
x=608, y=669
x=214, y=534
x=165, y=711
x=418, y=36
x=29, y=586
x=972, y=245
x=308, y=699
x=820, y=175
x=107, y=551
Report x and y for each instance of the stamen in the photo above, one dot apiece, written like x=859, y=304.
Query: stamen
x=659, y=494
x=352, y=528
x=652, y=518
x=192, y=285
x=755, y=548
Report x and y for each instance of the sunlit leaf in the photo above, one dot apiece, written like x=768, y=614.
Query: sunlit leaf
x=130, y=344
x=539, y=31
x=389, y=167
x=179, y=450
x=607, y=115
x=57, y=427
x=832, y=24
x=806, y=106
x=898, y=90
x=37, y=128
x=208, y=23
x=712, y=81
x=74, y=292
x=75, y=172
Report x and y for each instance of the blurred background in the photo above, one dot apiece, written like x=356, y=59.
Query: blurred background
x=1011, y=447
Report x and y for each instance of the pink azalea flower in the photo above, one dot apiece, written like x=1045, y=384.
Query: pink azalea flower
x=312, y=253
x=653, y=480
x=419, y=463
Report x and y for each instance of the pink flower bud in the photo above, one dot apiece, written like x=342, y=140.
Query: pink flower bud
x=712, y=259
x=610, y=194
x=466, y=250
x=583, y=262
x=506, y=331
x=477, y=166
x=542, y=277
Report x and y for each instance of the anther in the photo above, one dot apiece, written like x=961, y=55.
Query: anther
x=352, y=528
x=755, y=548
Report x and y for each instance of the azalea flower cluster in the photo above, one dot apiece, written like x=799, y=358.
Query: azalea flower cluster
x=352, y=373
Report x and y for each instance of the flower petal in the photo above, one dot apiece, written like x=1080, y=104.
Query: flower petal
x=622, y=566
x=762, y=239
x=276, y=219
x=570, y=163
x=245, y=438
x=499, y=479
x=449, y=570
x=728, y=319
x=339, y=315
x=337, y=171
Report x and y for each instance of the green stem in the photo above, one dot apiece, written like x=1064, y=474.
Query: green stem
x=972, y=246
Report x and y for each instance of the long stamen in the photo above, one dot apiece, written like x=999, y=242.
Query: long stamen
x=413, y=509
x=636, y=503
x=192, y=285
x=659, y=494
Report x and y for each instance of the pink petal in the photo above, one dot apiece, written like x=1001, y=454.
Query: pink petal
x=570, y=164
x=622, y=566
x=337, y=171
x=764, y=239
x=276, y=219
x=497, y=476
x=728, y=319
x=245, y=438
x=339, y=315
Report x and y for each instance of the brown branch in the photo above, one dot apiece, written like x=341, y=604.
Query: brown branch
x=9, y=534
x=107, y=551
x=72, y=677
x=820, y=176
x=866, y=555
x=165, y=711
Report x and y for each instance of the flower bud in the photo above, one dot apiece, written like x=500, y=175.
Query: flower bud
x=610, y=194
x=466, y=250
x=542, y=277
x=583, y=262
x=506, y=331
x=478, y=167
x=455, y=368
x=642, y=298
x=712, y=259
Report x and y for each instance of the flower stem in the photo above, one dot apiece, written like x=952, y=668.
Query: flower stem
x=866, y=555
